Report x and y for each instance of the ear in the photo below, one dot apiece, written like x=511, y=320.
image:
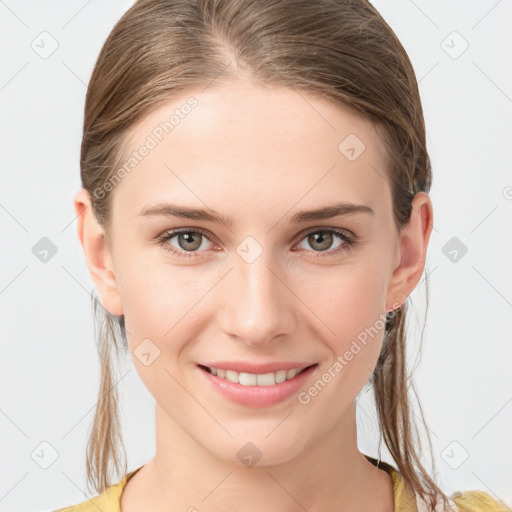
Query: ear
x=97, y=255
x=413, y=242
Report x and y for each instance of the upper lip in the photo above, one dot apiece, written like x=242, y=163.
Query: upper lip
x=240, y=366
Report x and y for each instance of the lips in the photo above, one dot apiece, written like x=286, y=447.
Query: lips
x=267, y=393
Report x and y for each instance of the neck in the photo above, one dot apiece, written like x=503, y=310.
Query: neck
x=330, y=474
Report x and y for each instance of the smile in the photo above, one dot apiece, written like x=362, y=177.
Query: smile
x=257, y=389
x=255, y=379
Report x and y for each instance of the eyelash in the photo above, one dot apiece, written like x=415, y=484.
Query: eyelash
x=349, y=241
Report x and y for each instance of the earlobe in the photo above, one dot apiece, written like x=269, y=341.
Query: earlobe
x=413, y=241
x=97, y=255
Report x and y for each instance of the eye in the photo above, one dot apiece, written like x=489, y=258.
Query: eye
x=322, y=239
x=189, y=241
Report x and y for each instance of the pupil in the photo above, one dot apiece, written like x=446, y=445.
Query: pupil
x=189, y=239
x=322, y=237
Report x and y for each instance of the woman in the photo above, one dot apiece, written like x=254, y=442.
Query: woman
x=254, y=215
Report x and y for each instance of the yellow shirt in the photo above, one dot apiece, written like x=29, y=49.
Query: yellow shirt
x=405, y=500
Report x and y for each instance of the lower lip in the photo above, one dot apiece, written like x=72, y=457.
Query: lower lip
x=258, y=396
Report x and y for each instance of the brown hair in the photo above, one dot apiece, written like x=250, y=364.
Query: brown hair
x=341, y=50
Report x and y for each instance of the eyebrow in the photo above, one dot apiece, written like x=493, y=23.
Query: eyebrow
x=325, y=212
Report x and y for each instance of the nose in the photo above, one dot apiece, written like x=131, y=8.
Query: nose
x=257, y=304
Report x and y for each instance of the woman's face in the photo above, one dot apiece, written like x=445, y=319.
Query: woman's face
x=265, y=284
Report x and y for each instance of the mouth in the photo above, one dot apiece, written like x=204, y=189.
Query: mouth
x=256, y=379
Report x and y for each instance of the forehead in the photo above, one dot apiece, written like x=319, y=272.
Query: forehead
x=250, y=147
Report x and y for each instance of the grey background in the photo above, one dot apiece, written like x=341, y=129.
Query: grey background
x=49, y=369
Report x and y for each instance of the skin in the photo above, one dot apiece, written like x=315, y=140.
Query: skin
x=257, y=155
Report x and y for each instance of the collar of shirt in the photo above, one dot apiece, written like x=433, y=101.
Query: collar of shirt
x=405, y=499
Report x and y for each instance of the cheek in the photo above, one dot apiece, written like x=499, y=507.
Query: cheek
x=347, y=300
x=164, y=307
x=157, y=303
x=355, y=315
x=350, y=304
x=156, y=295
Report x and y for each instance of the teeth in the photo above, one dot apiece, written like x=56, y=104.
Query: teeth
x=291, y=373
x=252, y=379
x=281, y=376
x=247, y=379
x=266, y=379
x=231, y=376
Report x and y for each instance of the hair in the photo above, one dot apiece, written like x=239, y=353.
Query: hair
x=339, y=50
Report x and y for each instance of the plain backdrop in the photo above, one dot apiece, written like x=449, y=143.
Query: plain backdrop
x=461, y=52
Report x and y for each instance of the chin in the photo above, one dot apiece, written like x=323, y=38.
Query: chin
x=258, y=450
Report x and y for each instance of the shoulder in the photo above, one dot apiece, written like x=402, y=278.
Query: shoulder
x=86, y=506
x=107, y=501
x=468, y=501
x=478, y=501
x=99, y=502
